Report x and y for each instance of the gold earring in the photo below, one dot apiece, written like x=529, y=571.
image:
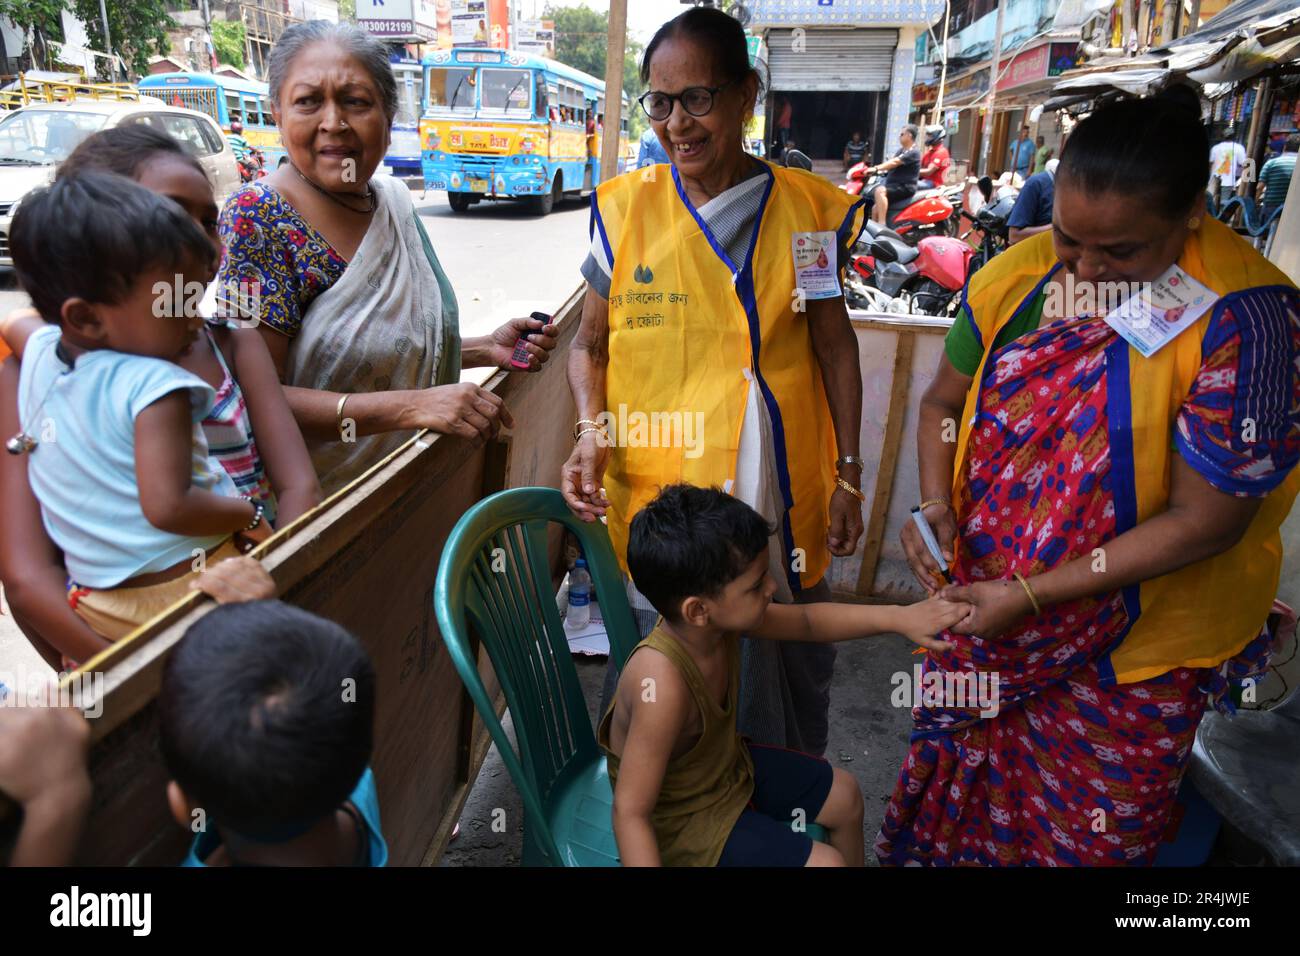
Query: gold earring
x=1194, y=223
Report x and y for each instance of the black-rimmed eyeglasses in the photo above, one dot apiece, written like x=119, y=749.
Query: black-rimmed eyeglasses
x=696, y=100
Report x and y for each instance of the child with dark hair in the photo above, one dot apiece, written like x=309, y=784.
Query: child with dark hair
x=250, y=427
x=266, y=719
x=688, y=789
x=235, y=361
x=110, y=424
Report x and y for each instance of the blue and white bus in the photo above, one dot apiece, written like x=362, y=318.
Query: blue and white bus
x=499, y=124
x=223, y=97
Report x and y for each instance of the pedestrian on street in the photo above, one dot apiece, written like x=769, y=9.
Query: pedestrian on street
x=1022, y=154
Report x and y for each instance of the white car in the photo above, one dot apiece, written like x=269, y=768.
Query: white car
x=36, y=138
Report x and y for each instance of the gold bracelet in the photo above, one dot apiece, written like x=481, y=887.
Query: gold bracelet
x=585, y=421
x=338, y=412
x=587, y=431
x=855, y=492
x=935, y=501
x=1038, y=610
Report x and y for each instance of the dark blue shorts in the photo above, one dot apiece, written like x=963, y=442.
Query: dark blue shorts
x=784, y=781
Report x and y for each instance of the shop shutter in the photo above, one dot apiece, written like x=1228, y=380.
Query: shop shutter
x=831, y=59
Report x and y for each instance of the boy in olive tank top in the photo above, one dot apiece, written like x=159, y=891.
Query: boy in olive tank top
x=688, y=789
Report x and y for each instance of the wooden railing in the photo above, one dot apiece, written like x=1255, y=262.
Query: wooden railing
x=367, y=558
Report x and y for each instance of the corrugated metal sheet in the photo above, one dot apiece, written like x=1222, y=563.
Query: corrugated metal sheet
x=828, y=59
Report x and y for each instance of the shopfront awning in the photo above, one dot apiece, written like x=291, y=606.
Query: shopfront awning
x=1248, y=38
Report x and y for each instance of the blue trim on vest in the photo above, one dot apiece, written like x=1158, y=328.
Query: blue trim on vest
x=842, y=232
x=743, y=282
x=598, y=223
x=1119, y=423
x=969, y=313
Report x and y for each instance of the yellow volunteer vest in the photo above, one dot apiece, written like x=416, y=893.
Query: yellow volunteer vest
x=687, y=327
x=1205, y=613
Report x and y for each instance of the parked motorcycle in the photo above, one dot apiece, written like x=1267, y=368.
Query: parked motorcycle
x=990, y=221
x=894, y=276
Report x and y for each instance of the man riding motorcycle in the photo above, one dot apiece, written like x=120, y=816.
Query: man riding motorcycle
x=935, y=160
x=900, y=175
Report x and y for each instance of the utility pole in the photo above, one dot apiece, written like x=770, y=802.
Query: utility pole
x=210, y=54
x=610, y=136
x=987, y=139
x=108, y=43
x=943, y=75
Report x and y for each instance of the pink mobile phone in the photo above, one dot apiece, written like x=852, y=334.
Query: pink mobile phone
x=521, y=354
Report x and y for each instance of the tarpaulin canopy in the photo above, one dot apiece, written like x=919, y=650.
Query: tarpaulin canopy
x=1245, y=39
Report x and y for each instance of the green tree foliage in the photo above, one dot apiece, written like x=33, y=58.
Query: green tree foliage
x=137, y=29
x=228, y=37
x=41, y=19
x=582, y=42
x=347, y=10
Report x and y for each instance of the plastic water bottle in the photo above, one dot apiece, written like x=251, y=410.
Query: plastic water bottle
x=579, y=613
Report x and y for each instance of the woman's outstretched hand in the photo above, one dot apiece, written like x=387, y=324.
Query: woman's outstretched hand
x=926, y=569
x=464, y=410
x=996, y=607
x=540, y=338
x=581, y=477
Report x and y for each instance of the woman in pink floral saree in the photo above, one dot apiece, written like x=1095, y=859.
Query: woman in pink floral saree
x=1115, y=513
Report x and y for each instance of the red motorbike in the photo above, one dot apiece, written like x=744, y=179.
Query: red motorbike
x=927, y=212
x=893, y=276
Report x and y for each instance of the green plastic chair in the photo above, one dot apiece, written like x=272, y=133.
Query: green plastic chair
x=495, y=577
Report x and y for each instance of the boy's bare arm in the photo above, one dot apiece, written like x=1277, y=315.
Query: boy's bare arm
x=826, y=623
x=163, y=449
x=660, y=704
x=17, y=327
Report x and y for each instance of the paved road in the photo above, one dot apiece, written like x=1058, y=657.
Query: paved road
x=503, y=263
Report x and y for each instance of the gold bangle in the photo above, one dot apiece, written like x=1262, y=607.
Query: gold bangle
x=588, y=431
x=338, y=412
x=935, y=501
x=855, y=492
x=1038, y=610
x=585, y=421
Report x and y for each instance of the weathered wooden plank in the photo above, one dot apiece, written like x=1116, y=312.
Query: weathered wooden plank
x=875, y=530
x=366, y=558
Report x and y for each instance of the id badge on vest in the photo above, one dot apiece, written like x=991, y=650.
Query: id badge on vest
x=816, y=271
x=1151, y=319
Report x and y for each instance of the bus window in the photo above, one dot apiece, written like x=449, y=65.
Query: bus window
x=252, y=116
x=540, y=97
x=267, y=118
x=451, y=88
x=233, y=108
x=506, y=90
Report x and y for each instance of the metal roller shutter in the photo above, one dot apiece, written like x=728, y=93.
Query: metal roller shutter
x=831, y=59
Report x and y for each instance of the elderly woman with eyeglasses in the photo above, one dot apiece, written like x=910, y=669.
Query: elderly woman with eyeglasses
x=715, y=349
